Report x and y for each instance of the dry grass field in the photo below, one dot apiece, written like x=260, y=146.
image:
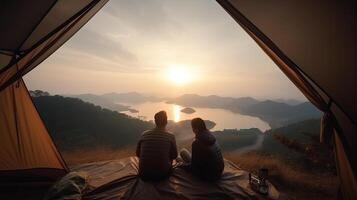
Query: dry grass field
x=97, y=154
x=293, y=181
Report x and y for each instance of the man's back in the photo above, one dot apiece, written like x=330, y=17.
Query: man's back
x=156, y=150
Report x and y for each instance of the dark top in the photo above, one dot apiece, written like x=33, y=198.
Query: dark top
x=207, y=161
x=156, y=149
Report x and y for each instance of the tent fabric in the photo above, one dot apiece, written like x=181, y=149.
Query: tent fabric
x=313, y=43
x=30, y=32
x=118, y=179
x=24, y=141
x=344, y=169
x=305, y=86
x=317, y=37
x=327, y=128
x=29, y=36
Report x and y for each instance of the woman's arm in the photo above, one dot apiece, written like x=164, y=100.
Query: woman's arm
x=173, y=151
x=138, y=149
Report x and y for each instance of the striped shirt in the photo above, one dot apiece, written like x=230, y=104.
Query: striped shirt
x=156, y=149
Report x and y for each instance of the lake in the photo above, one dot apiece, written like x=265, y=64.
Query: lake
x=224, y=119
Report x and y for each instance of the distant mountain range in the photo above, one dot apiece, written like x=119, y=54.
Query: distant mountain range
x=131, y=97
x=103, y=102
x=38, y=93
x=292, y=102
x=277, y=114
x=115, y=101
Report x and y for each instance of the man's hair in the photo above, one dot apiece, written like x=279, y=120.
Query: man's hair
x=198, y=124
x=160, y=119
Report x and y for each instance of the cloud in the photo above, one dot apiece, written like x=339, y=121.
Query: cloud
x=93, y=51
x=149, y=17
x=100, y=45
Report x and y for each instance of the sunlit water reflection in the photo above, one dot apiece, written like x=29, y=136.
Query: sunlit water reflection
x=176, y=113
x=224, y=119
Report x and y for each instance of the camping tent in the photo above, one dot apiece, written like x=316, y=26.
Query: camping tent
x=30, y=32
x=312, y=42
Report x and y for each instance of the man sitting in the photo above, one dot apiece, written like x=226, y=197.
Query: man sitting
x=156, y=149
x=207, y=161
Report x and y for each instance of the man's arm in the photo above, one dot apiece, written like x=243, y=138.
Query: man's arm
x=173, y=151
x=138, y=149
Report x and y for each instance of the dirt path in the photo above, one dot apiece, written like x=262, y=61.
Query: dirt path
x=258, y=143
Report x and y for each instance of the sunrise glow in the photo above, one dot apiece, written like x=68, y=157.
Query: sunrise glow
x=179, y=75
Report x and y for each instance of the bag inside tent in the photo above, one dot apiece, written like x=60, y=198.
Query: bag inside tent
x=318, y=57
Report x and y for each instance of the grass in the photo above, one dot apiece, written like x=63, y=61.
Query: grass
x=97, y=154
x=293, y=181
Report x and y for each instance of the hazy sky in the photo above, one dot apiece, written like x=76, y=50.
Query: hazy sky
x=130, y=45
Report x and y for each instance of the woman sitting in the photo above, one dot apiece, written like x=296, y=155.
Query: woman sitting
x=207, y=160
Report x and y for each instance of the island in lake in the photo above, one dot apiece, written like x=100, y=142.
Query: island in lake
x=188, y=110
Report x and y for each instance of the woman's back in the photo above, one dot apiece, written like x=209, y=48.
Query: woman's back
x=207, y=160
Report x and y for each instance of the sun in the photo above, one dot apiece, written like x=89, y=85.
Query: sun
x=179, y=74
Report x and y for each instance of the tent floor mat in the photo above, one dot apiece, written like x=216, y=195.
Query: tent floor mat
x=118, y=179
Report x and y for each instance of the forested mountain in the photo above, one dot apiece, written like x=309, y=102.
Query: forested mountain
x=74, y=123
x=300, y=143
x=235, y=140
x=297, y=143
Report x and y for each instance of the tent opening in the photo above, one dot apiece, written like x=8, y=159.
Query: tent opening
x=265, y=81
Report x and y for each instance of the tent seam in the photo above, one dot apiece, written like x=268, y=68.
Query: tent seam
x=56, y=30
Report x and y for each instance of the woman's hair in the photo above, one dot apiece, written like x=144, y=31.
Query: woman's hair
x=198, y=124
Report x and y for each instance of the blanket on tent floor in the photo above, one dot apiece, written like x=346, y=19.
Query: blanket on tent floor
x=117, y=179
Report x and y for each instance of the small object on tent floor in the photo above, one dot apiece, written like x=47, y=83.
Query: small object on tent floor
x=258, y=182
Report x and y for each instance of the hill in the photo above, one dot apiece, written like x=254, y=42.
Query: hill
x=299, y=143
x=238, y=141
x=75, y=124
x=277, y=114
